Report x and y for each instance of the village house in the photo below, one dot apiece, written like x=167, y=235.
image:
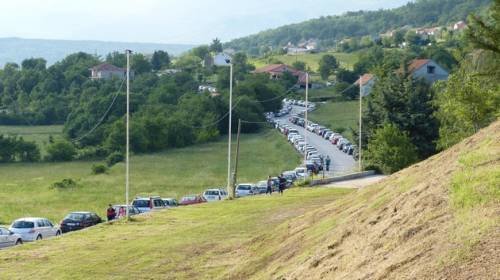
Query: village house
x=428, y=32
x=308, y=46
x=428, y=70
x=459, y=26
x=276, y=71
x=367, y=81
x=108, y=71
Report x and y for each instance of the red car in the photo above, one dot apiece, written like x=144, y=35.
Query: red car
x=192, y=199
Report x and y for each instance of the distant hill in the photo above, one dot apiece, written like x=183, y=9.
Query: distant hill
x=329, y=29
x=17, y=49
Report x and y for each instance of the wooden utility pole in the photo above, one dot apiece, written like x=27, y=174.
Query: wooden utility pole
x=235, y=173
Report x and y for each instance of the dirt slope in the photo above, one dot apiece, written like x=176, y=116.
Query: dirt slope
x=437, y=219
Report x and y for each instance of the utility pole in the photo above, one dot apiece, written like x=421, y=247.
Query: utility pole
x=360, y=166
x=127, y=146
x=235, y=174
x=229, y=187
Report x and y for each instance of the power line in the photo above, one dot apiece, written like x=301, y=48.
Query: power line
x=103, y=116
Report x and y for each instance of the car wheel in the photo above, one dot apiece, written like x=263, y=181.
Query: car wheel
x=19, y=242
x=39, y=237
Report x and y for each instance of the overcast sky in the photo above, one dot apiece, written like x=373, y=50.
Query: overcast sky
x=163, y=21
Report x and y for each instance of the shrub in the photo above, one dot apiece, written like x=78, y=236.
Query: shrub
x=114, y=158
x=390, y=149
x=61, y=150
x=64, y=184
x=99, y=169
x=89, y=153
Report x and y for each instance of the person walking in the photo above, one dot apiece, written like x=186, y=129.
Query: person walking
x=111, y=213
x=269, y=189
x=328, y=161
x=282, y=183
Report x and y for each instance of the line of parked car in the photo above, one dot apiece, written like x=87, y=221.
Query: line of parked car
x=333, y=137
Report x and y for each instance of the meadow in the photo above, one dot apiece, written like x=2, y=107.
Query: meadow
x=346, y=60
x=335, y=115
x=25, y=188
x=39, y=133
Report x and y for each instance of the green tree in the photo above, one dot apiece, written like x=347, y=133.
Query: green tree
x=61, y=150
x=390, y=150
x=299, y=65
x=140, y=64
x=412, y=38
x=159, y=60
x=466, y=103
x=327, y=66
x=484, y=33
x=216, y=46
x=117, y=59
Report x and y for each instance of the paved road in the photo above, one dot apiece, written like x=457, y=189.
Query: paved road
x=357, y=183
x=341, y=162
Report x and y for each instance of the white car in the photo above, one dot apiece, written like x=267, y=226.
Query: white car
x=31, y=229
x=244, y=190
x=212, y=195
x=8, y=238
x=301, y=172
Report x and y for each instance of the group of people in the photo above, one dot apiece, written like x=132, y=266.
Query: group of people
x=281, y=184
x=112, y=215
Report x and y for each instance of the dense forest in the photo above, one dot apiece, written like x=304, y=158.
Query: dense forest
x=331, y=29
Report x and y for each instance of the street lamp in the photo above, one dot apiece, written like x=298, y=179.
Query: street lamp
x=127, y=146
x=224, y=60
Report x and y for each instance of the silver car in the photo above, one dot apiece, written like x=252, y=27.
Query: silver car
x=8, y=238
x=244, y=190
x=212, y=195
x=32, y=229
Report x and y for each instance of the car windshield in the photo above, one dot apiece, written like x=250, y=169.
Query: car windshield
x=23, y=224
x=141, y=203
x=212, y=193
x=244, y=187
x=75, y=216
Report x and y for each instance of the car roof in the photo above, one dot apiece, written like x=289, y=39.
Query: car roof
x=212, y=190
x=30, y=219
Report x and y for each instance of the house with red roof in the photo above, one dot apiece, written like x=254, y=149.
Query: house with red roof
x=108, y=71
x=428, y=70
x=366, y=82
x=459, y=26
x=276, y=71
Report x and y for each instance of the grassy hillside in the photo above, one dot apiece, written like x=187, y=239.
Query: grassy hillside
x=437, y=219
x=346, y=60
x=337, y=115
x=38, y=134
x=24, y=188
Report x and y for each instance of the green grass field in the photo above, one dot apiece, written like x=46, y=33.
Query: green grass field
x=24, y=188
x=336, y=115
x=182, y=243
x=346, y=60
x=38, y=133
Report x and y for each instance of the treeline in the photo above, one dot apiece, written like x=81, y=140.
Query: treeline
x=167, y=109
x=17, y=149
x=331, y=29
x=407, y=120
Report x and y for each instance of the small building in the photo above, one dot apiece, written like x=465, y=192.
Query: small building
x=459, y=26
x=108, y=71
x=366, y=82
x=428, y=70
x=276, y=71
